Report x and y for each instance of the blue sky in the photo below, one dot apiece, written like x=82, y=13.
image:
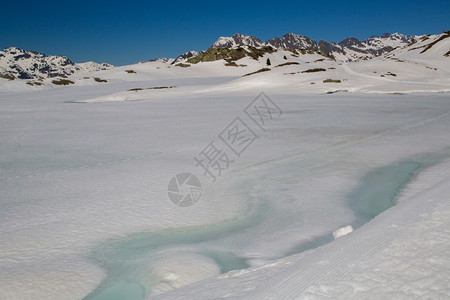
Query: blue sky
x=125, y=32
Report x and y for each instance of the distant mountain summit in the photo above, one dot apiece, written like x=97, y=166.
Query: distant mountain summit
x=23, y=64
x=293, y=41
x=349, y=49
x=354, y=49
x=185, y=56
x=237, y=40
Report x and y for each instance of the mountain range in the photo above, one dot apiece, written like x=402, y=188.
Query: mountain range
x=23, y=64
x=350, y=49
x=16, y=63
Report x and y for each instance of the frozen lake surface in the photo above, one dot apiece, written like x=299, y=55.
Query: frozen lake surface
x=84, y=209
x=129, y=260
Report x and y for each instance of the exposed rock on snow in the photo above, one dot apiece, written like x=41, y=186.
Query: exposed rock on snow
x=185, y=56
x=237, y=40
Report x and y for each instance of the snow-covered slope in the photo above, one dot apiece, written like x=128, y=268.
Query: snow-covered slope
x=407, y=69
x=23, y=64
x=402, y=254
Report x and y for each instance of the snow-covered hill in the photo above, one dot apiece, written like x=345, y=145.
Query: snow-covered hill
x=22, y=64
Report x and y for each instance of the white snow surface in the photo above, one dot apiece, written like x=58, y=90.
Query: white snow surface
x=402, y=254
x=84, y=169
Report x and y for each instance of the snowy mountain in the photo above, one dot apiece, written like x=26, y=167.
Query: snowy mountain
x=293, y=41
x=350, y=49
x=422, y=66
x=185, y=56
x=354, y=49
x=23, y=64
x=248, y=53
x=237, y=40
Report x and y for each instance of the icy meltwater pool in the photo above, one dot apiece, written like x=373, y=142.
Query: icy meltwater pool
x=143, y=262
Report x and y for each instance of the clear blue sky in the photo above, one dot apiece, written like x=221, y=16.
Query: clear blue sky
x=125, y=32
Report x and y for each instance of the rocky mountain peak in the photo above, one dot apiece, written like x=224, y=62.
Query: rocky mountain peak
x=237, y=40
x=25, y=64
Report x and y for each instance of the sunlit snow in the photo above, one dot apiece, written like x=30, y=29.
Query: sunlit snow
x=340, y=192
